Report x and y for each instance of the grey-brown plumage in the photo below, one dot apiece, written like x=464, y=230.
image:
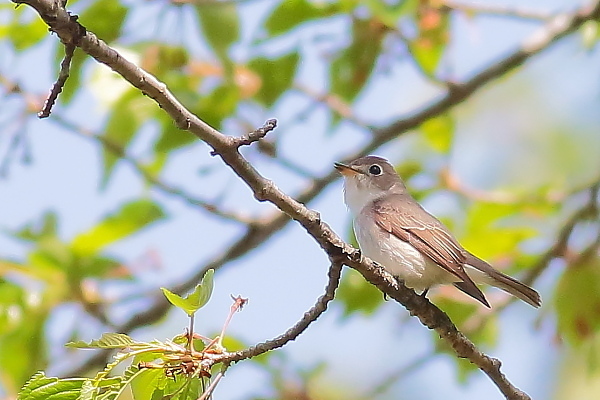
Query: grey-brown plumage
x=394, y=230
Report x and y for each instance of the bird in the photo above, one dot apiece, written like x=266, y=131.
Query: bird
x=396, y=232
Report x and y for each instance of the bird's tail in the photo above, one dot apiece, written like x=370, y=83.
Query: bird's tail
x=502, y=281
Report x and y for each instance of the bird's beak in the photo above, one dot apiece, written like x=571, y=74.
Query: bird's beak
x=346, y=170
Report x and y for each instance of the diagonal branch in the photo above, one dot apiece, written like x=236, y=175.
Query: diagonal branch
x=70, y=31
x=291, y=334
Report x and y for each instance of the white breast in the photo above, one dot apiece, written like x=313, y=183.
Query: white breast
x=398, y=257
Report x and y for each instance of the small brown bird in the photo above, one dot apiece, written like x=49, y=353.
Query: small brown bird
x=394, y=230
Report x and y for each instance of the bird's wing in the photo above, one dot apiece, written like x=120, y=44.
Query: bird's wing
x=426, y=234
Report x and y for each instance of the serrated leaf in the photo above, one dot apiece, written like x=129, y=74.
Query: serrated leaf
x=439, y=132
x=197, y=299
x=41, y=387
x=128, y=219
x=577, y=301
x=276, y=74
x=106, y=341
x=352, y=68
x=290, y=14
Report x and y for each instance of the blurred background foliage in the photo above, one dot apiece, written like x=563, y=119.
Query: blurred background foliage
x=107, y=200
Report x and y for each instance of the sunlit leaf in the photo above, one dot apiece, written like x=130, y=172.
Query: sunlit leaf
x=439, y=132
x=107, y=341
x=127, y=220
x=148, y=383
x=195, y=300
x=41, y=387
x=490, y=233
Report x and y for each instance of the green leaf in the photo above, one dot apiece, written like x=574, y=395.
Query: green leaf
x=357, y=295
x=428, y=48
x=350, y=71
x=128, y=114
x=590, y=34
x=171, y=137
x=197, y=299
x=219, y=104
x=389, y=14
x=148, y=383
x=290, y=14
x=577, y=301
x=221, y=27
x=24, y=34
x=276, y=76
x=40, y=387
x=490, y=232
x=44, y=228
x=106, y=341
x=438, y=132
x=23, y=342
x=128, y=219
x=105, y=19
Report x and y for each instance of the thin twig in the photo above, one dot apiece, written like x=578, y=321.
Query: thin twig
x=255, y=135
x=211, y=388
x=152, y=179
x=264, y=190
x=309, y=317
x=63, y=75
x=558, y=249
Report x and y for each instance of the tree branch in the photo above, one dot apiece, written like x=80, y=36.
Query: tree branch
x=151, y=178
x=291, y=334
x=63, y=75
x=70, y=31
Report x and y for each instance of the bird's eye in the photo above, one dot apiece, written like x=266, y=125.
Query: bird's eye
x=375, y=170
